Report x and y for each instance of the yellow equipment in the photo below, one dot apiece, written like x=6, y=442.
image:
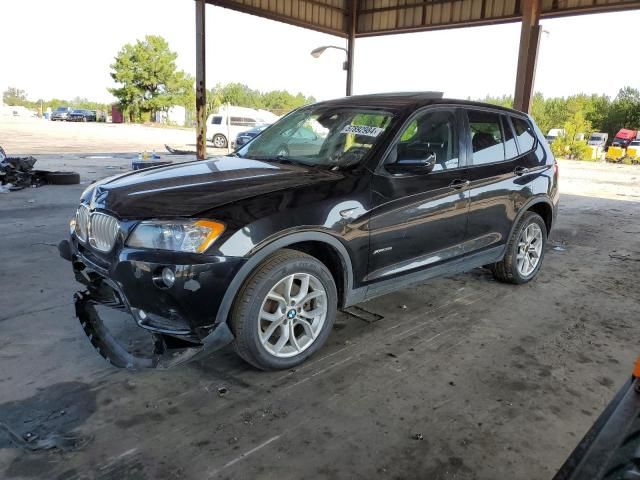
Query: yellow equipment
x=633, y=153
x=615, y=154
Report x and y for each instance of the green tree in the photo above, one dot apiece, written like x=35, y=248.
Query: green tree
x=240, y=95
x=13, y=96
x=573, y=143
x=149, y=79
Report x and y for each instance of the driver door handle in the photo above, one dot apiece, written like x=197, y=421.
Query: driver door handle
x=521, y=171
x=459, y=184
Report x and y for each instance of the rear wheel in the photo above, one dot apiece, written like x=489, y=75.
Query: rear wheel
x=524, y=252
x=219, y=141
x=285, y=311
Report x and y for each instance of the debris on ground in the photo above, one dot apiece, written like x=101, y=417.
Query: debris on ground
x=222, y=391
x=140, y=164
x=177, y=151
x=618, y=256
x=418, y=436
x=30, y=441
x=17, y=173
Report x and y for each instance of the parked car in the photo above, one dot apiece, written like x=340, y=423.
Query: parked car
x=301, y=141
x=554, y=133
x=610, y=450
x=81, y=115
x=598, y=139
x=245, y=137
x=261, y=248
x=230, y=122
x=61, y=114
x=624, y=137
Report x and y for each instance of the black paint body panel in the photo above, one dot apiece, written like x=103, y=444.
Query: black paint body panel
x=387, y=229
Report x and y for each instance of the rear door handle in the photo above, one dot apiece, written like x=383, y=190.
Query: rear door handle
x=459, y=184
x=521, y=171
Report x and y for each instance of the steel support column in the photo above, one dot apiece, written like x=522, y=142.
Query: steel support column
x=528, y=55
x=351, y=44
x=201, y=85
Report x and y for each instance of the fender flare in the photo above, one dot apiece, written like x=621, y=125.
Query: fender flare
x=268, y=249
x=526, y=206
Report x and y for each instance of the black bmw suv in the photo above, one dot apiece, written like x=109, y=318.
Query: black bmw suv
x=261, y=247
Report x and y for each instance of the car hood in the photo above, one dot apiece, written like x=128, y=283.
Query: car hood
x=188, y=189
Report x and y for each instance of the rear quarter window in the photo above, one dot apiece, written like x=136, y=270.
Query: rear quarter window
x=524, y=133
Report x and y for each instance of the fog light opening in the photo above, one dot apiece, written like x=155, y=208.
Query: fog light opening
x=168, y=277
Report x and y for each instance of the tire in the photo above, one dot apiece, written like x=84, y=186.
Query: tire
x=251, y=328
x=62, y=178
x=509, y=270
x=219, y=141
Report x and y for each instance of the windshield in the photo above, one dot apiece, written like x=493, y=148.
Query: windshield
x=320, y=136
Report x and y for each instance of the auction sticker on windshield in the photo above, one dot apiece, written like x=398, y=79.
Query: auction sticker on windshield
x=363, y=130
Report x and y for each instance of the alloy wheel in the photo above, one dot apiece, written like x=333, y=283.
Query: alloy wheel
x=219, y=141
x=292, y=315
x=529, y=249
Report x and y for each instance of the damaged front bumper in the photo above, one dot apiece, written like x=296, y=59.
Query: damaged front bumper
x=181, y=319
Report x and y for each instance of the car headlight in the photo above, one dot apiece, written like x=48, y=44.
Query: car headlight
x=195, y=236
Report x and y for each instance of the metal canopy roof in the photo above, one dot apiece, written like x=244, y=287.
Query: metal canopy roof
x=379, y=17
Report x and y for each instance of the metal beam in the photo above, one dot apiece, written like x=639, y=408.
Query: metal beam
x=527, y=55
x=351, y=44
x=201, y=84
x=279, y=17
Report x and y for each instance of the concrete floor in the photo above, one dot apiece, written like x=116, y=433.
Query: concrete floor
x=472, y=380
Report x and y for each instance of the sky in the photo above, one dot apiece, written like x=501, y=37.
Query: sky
x=63, y=49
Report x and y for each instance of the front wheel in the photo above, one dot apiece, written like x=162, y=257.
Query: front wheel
x=285, y=311
x=524, y=252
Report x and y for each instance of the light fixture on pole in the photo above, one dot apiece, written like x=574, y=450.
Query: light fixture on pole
x=316, y=52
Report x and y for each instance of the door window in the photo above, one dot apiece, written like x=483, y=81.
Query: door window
x=525, y=134
x=430, y=133
x=216, y=120
x=486, y=137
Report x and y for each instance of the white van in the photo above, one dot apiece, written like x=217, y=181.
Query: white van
x=225, y=125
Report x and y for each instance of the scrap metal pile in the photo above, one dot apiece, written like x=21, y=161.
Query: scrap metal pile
x=17, y=173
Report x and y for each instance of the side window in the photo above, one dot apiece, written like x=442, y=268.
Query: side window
x=486, y=137
x=236, y=121
x=510, y=148
x=430, y=133
x=216, y=120
x=525, y=134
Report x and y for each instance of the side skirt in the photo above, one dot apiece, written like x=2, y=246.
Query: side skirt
x=461, y=265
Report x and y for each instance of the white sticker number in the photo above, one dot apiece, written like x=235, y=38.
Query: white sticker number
x=363, y=130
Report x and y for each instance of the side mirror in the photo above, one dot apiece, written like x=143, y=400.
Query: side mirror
x=415, y=165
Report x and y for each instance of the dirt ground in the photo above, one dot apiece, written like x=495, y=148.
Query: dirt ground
x=21, y=135
x=460, y=378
